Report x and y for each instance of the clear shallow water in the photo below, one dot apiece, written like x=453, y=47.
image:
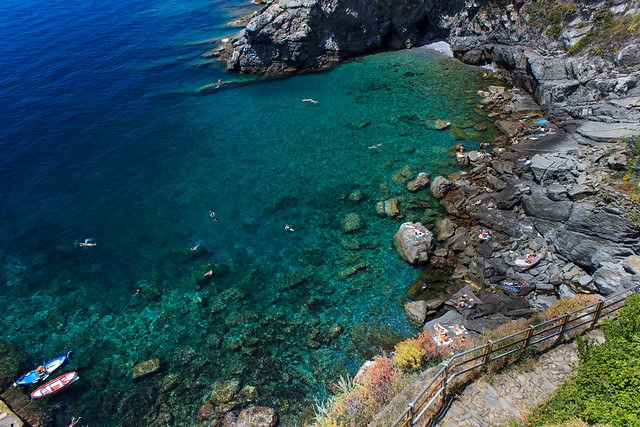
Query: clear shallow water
x=105, y=135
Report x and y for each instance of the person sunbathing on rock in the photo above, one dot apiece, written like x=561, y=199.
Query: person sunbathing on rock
x=439, y=328
x=485, y=235
x=531, y=257
x=462, y=301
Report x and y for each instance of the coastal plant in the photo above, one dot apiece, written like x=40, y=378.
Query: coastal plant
x=408, y=355
x=413, y=353
x=567, y=305
x=603, y=18
x=382, y=379
x=606, y=389
x=549, y=15
x=343, y=408
x=356, y=401
x=582, y=43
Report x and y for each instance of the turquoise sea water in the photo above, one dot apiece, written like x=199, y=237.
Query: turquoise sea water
x=105, y=134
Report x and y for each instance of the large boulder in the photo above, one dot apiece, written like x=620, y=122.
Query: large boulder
x=413, y=242
x=416, y=312
x=610, y=278
x=440, y=187
x=632, y=264
x=538, y=205
x=421, y=181
x=445, y=229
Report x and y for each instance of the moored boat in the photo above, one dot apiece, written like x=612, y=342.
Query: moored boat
x=42, y=372
x=55, y=385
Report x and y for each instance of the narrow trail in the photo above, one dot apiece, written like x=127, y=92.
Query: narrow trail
x=509, y=396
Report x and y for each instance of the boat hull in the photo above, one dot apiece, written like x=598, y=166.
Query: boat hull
x=55, y=385
x=50, y=367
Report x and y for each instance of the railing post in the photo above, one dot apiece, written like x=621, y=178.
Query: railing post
x=411, y=413
x=527, y=338
x=596, y=315
x=563, y=327
x=487, y=352
x=446, y=377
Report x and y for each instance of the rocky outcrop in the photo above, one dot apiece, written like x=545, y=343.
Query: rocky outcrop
x=289, y=35
x=414, y=242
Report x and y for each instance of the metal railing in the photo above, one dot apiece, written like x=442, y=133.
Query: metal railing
x=493, y=350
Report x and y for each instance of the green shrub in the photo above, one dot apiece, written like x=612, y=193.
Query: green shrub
x=603, y=18
x=555, y=30
x=581, y=44
x=607, y=387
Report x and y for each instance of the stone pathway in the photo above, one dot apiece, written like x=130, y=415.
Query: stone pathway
x=511, y=395
x=8, y=418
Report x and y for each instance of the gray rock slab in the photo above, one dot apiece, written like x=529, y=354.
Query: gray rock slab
x=451, y=317
x=608, y=132
x=632, y=264
x=485, y=324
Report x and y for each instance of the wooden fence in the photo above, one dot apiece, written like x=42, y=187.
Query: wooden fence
x=478, y=357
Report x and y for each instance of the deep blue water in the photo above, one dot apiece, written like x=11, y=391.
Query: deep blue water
x=104, y=134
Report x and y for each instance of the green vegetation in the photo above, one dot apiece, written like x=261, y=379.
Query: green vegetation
x=582, y=43
x=549, y=15
x=610, y=32
x=607, y=387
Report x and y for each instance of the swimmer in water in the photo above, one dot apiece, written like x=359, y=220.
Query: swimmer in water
x=86, y=243
x=195, y=248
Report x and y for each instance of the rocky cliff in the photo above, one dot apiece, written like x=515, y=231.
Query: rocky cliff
x=535, y=43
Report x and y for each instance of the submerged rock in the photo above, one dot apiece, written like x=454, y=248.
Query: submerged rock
x=145, y=368
x=224, y=391
x=403, y=175
x=391, y=208
x=257, y=416
x=352, y=223
x=421, y=181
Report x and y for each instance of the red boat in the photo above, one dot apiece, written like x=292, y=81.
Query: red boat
x=55, y=385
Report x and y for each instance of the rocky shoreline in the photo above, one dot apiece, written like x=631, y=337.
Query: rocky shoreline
x=542, y=194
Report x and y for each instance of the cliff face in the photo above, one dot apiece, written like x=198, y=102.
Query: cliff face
x=290, y=35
